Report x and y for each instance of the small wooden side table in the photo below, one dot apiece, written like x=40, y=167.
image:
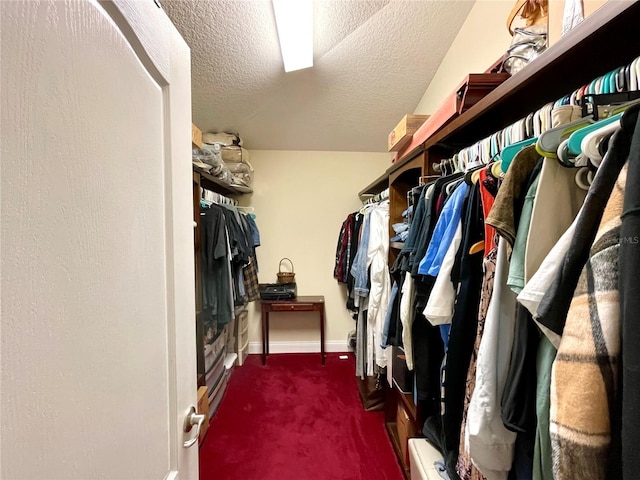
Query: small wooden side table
x=313, y=303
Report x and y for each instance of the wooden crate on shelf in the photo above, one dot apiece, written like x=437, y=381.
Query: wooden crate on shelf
x=196, y=136
x=401, y=135
x=203, y=408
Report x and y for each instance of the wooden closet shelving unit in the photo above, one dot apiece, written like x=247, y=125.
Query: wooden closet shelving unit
x=604, y=41
x=209, y=182
x=204, y=180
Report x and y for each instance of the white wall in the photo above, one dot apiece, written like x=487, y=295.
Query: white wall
x=481, y=41
x=300, y=200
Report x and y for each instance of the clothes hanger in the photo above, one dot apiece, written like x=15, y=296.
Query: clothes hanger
x=496, y=169
x=590, y=144
x=620, y=82
x=447, y=167
x=627, y=77
x=612, y=81
x=451, y=186
x=510, y=151
x=584, y=178
x=457, y=160
x=421, y=180
x=635, y=73
x=469, y=175
x=563, y=155
x=549, y=141
x=575, y=139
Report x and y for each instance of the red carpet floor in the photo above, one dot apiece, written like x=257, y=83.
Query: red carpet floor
x=296, y=420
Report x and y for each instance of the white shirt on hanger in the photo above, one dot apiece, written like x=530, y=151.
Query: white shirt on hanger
x=380, y=291
x=407, y=313
x=489, y=443
x=440, y=306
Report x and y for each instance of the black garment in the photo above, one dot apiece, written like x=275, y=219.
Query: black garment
x=241, y=249
x=522, y=468
x=518, y=403
x=394, y=334
x=424, y=221
x=355, y=236
x=428, y=351
x=416, y=224
x=629, y=390
x=343, y=249
x=464, y=326
x=428, y=347
x=554, y=306
x=238, y=237
x=216, y=291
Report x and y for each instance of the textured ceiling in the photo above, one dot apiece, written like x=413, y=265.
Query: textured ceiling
x=373, y=61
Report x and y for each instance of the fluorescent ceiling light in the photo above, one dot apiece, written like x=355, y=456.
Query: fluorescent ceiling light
x=294, y=20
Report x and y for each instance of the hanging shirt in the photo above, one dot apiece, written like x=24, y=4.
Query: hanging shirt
x=217, y=298
x=444, y=232
x=488, y=190
x=557, y=202
x=505, y=212
x=489, y=443
x=429, y=221
x=360, y=263
x=387, y=319
x=407, y=315
x=439, y=309
x=516, y=279
x=377, y=259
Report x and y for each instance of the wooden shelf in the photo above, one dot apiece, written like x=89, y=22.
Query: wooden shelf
x=377, y=186
x=604, y=41
x=397, y=245
x=214, y=184
x=407, y=400
x=392, y=431
x=401, y=164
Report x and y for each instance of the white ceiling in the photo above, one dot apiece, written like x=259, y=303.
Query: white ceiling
x=373, y=60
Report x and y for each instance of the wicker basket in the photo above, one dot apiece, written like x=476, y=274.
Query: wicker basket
x=286, y=277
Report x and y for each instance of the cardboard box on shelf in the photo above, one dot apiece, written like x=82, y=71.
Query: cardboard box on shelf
x=401, y=135
x=196, y=136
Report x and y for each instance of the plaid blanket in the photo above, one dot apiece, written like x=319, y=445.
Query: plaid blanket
x=583, y=383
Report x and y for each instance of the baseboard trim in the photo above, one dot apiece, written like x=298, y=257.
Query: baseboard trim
x=299, y=347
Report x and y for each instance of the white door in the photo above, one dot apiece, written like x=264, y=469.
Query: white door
x=97, y=284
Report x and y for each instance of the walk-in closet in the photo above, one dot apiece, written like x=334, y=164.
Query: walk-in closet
x=320, y=239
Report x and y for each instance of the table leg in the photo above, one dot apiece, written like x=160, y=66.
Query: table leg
x=322, y=333
x=268, y=333
x=264, y=336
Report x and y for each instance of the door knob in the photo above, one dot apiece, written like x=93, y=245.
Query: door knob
x=190, y=420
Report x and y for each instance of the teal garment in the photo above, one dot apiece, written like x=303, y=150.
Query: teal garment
x=516, y=280
x=542, y=461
